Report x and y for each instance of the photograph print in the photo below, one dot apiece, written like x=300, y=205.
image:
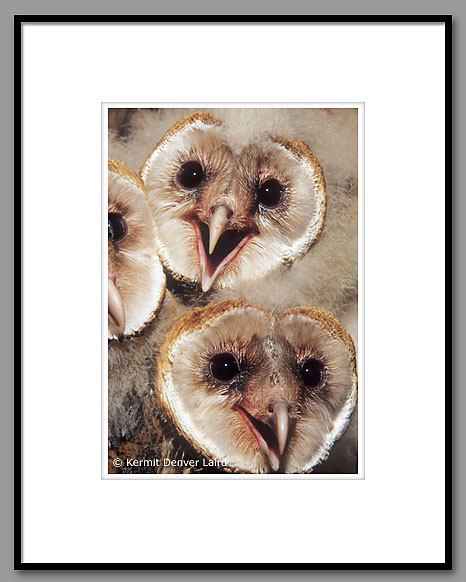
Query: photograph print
x=232, y=291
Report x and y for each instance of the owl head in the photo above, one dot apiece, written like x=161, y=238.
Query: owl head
x=258, y=391
x=136, y=282
x=228, y=209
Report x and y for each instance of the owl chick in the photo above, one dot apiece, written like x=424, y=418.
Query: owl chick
x=136, y=283
x=256, y=391
x=136, y=288
x=227, y=212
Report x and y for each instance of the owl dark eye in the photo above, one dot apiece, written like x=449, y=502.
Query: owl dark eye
x=117, y=227
x=311, y=372
x=224, y=367
x=270, y=193
x=191, y=175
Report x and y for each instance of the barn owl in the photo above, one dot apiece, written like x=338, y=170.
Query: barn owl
x=136, y=288
x=255, y=391
x=253, y=203
x=226, y=212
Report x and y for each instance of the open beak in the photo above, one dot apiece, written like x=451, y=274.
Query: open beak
x=218, y=243
x=271, y=435
x=116, y=311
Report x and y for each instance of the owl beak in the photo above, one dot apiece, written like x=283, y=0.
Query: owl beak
x=219, y=220
x=271, y=433
x=279, y=423
x=265, y=438
x=116, y=311
x=221, y=249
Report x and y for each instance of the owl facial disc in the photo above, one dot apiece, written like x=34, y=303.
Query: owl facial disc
x=256, y=391
x=228, y=213
x=136, y=282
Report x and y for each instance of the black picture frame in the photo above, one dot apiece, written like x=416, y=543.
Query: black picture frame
x=18, y=282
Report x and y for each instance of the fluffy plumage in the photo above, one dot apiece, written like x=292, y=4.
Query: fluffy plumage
x=130, y=374
x=257, y=391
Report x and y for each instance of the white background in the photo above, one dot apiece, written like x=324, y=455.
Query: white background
x=397, y=513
